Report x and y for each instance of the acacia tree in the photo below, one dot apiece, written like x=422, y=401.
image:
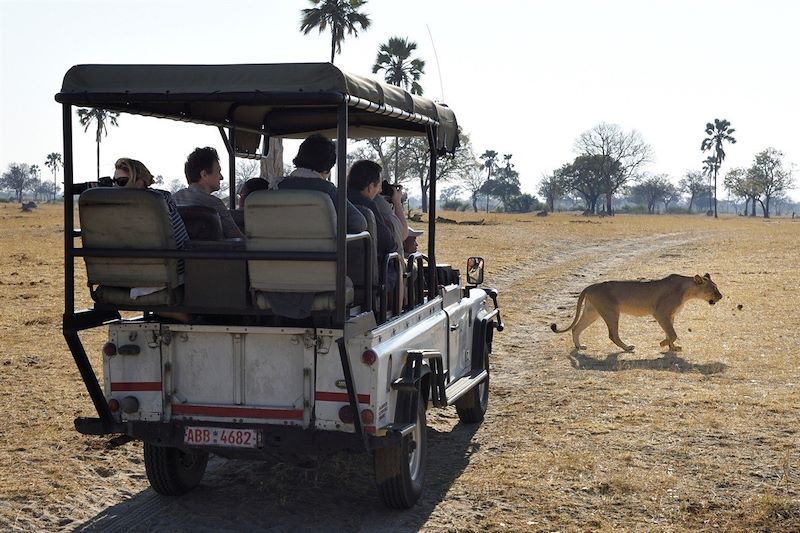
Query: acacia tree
x=552, y=187
x=587, y=177
x=54, y=163
x=739, y=182
x=770, y=176
x=341, y=15
x=693, y=183
x=654, y=189
x=16, y=178
x=718, y=133
x=101, y=118
x=619, y=154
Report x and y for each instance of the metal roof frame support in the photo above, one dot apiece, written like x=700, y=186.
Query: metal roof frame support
x=69, y=222
x=341, y=208
x=433, y=289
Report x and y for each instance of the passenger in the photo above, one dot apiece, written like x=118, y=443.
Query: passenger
x=251, y=185
x=410, y=244
x=390, y=204
x=203, y=173
x=313, y=163
x=363, y=186
x=132, y=174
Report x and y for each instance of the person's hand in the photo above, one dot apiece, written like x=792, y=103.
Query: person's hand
x=397, y=194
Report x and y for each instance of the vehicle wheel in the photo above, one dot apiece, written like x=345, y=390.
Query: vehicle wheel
x=172, y=471
x=400, y=469
x=472, y=407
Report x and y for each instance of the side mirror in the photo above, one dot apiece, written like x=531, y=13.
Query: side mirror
x=474, y=270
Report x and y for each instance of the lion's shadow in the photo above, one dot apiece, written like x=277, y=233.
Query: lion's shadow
x=669, y=361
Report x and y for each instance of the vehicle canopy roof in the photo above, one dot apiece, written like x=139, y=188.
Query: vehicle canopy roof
x=281, y=100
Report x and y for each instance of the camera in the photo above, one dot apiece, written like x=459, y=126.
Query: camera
x=104, y=181
x=387, y=190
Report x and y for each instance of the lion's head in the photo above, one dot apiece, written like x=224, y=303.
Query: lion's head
x=707, y=289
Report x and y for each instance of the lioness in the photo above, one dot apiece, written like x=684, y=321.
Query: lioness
x=662, y=298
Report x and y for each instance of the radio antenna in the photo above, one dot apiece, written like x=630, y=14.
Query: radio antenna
x=436, y=56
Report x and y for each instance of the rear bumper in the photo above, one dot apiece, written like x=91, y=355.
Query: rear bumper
x=273, y=438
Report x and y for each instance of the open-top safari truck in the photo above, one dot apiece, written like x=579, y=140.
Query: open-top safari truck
x=238, y=379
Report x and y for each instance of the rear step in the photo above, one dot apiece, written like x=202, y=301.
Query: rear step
x=464, y=384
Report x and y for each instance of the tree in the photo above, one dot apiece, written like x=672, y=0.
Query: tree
x=415, y=160
x=340, y=15
x=718, y=133
x=471, y=178
x=35, y=183
x=450, y=198
x=671, y=195
x=99, y=117
x=770, y=176
x=740, y=183
x=506, y=185
x=620, y=155
x=246, y=169
x=693, y=183
x=17, y=178
x=489, y=158
x=653, y=189
x=587, y=177
x=394, y=59
x=552, y=187
x=54, y=163
x=523, y=203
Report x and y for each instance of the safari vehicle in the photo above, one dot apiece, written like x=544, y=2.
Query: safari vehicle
x=238, y=379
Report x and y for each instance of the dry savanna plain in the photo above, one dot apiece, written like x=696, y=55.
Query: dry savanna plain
x=706, y=439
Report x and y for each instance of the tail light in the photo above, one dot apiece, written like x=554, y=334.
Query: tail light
x=367, y=416
x=113, y=405
x=346, y=414
x=369, y=357
x=109, y=349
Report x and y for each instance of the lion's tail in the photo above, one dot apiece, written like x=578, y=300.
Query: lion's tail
x=578, y=312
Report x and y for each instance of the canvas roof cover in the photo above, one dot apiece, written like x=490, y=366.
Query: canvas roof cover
x=286, y=100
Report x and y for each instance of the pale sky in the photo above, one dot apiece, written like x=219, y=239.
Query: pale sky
x=523, y=77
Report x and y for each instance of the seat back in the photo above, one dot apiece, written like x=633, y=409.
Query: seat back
x=291, y=221
x=202, y=222
x=130, y=219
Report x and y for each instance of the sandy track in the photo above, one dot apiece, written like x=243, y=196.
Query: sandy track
x=338, y=493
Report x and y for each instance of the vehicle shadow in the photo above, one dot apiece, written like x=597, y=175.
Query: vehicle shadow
x=335, y=493
x=669, y=361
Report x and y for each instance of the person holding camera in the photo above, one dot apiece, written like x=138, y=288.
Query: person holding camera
x=363, y=188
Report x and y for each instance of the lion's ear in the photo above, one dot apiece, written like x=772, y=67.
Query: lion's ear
x=698, y=280
x=707, y=276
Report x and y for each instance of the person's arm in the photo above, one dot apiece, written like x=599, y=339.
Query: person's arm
x=397, y=206
x=229, y=228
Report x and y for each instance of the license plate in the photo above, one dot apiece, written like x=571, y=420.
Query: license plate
x=227, y=437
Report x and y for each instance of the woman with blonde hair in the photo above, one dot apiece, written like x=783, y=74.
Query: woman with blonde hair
x=132, y=174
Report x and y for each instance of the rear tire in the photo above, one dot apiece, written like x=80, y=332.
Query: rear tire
x=472, y=407
x=171, y=471
x=400, y=469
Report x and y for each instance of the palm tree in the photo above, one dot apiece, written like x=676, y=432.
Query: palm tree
x=340, y=15
x=54, y=162
x=100, y=117
x=718, y=133
x=394, y=59
x=489, y=158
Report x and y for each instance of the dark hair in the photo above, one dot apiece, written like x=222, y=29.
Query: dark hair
x=362, y=174
x=253, y=184
x=317, y=153
x=199, y=160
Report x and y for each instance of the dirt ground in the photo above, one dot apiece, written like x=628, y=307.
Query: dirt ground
x=593, y=440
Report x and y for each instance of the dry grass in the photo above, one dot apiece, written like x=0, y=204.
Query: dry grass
x=595, y=440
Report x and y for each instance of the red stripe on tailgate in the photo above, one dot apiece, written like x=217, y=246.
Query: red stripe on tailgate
x=237, y=412
x=142, y=386
x=321, y=396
